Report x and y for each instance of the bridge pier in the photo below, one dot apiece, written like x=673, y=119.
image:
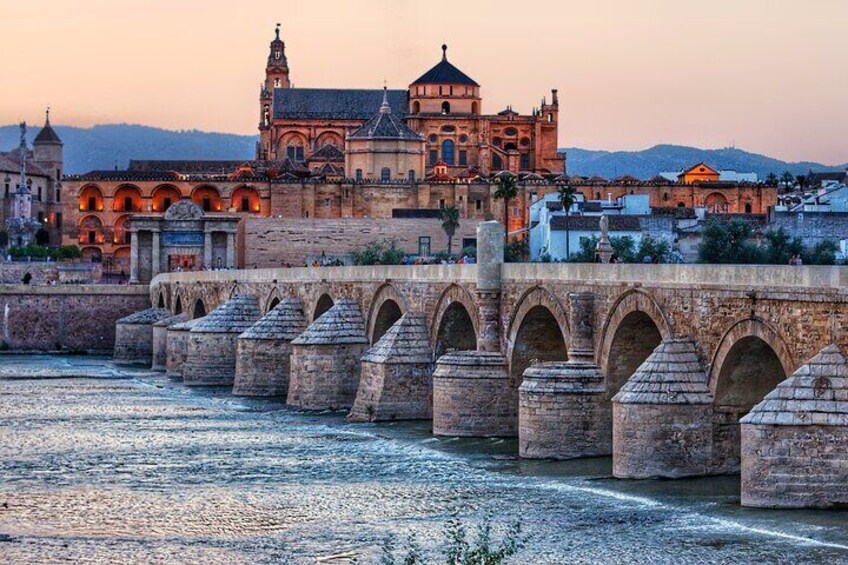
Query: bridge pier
x=177, y=347
x=795, y=442
x=160, y=340
x=134, y=337
x=325, y=359
x=571, y=392
x=263, y=351
x=396, y=381
x=662, y=416
x=211, y=354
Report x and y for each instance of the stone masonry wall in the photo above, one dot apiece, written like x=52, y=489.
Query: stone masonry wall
x=272, y=242
x=79, y=317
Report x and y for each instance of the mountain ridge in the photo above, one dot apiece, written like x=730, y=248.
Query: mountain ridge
x=105, y=147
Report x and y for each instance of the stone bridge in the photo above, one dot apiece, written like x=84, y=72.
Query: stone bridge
x=654, y=364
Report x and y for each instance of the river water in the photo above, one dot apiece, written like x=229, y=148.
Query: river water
x=105, y=466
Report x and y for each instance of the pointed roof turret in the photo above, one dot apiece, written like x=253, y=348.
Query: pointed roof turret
x=277, y=53
x=815, y=394
x=672, y=374
x=234, y=316
x=47, y=133
x=445, y=73
x=405, y=342
x=285, y=321
x=340, y=325
x=385, y=125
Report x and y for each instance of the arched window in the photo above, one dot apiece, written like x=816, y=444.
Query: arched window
x=445, y=107
x=448, y=151
x=475, y=109
x=385, y=174
x=416, y=107
x=497, y=164
x=411, y=175
x=748, y=208
x=358, y=174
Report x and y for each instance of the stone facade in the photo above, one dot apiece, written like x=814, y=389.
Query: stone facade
x=264, y=351
x=472, y=396
x=134, y=337
x=212, y=344
x=795, y=442
x=662, y=417
x=160, y=340
x=325, y=359
x=396, y=375
x=563, y=412
x=74, y=317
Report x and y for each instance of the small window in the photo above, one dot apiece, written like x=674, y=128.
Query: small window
x=448, y=151
x=207, y=204
x=358, y=174
x=434, y=157
x=423, y=246
x=463, y=157
x=411, y=175
x=58, y=195
x=497, y=164
x=524, y=162
x=7, y=190
x=748, y=208
x=478, y=205
x=463, y=138
x=433, y=138
x=385, y=174
x=39, y=194
x=92, y=237
x=245, y=204
x=665, y=196
x=441, y=203
x=166, y=203
x=525, y=141
x=681, y=205
x=58, y=220
x=448, y=129
x=445, y=107
x=58, y=174
x=550, y=118
x=128, y=204
x=326, y=203
x=510, y=131
x=347, y=193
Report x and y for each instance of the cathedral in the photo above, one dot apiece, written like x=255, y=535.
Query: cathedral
x=442, y=109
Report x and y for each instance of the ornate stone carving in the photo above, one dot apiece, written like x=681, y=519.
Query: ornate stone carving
x=184, y=210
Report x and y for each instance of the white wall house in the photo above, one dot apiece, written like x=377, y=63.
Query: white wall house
x=628, y=216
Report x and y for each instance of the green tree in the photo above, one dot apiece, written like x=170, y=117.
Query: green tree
x=656, y=249
x=823, y=253
x=787, y=178
x=587, y=250
x=450, y=221
x=780, y=247
x=506, y=191
x=567, y=195
x=727, y=243
x=771, y=179
x=378, y=253
x=516, y=250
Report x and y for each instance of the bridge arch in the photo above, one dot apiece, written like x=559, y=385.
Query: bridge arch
x=199, y=309
x=272, y=299
x=750, y=361
x=455, y=323
x=538, y=330
x=387, y=306
x=322, y=304
x=634, y=327
x=178, y=306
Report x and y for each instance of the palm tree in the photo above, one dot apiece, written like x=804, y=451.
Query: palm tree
x=567, y=197
x=450, y=221
x=507, y=190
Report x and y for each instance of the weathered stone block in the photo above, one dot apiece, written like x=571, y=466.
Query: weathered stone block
x=177, y=347
x=396, y=375
x=134, y=337
x=472, y=396
x=563, y=412
x=160, y=340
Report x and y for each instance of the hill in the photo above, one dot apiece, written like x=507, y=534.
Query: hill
x=108, y=146
x=649, y=162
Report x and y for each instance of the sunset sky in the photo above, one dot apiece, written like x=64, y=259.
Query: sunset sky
x=765, y=75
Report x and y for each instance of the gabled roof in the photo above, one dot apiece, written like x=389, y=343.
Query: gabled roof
x=327, y=153
x=617, y=222
x=445, y=73
x=698, y=166
x=334, y=103
x=234, y=316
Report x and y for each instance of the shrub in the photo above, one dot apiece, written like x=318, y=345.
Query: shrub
x=517, y=250
x=824, y=253
x=378, y=253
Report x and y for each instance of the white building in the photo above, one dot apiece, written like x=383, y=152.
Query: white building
x=629, y=215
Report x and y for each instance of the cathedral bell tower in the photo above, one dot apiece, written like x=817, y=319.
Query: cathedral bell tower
x=276, y=76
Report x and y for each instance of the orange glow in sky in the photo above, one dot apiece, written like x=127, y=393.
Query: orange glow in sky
x=766, y=75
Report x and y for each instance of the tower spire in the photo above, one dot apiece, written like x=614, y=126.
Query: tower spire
x=444, y=52
x=384, y=107
x=23, y=152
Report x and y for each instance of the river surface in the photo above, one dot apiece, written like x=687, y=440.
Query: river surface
x=99, y=465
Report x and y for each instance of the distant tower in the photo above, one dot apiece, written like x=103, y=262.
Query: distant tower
x=47, y=150
x=276, y=76
x=21, y=226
